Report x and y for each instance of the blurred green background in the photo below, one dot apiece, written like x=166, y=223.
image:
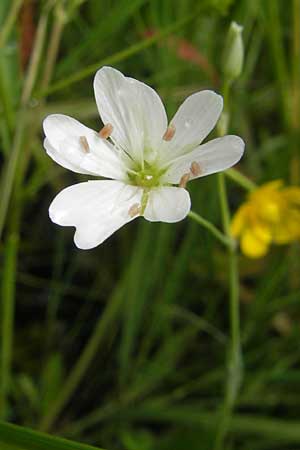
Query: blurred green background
x=124, y=346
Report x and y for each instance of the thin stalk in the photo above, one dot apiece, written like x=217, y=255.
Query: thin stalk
x=274, y=33
x=83, y=362
x=35, y=57
x=6, y=100
x=10, y=20
x=234, y=371
x=228, y=242
x=234, y=367
x=8, y=286
x=53, y=47
x=240, y=179
x=7, y=318
x=9, y=171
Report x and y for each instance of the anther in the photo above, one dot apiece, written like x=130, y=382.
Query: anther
x=134, y=210
x=184, y=179
x=195, y=169
x=106, y=131
x=84, y=144
x=169, y=134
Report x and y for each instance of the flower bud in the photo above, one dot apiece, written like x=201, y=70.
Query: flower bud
x=234, y=52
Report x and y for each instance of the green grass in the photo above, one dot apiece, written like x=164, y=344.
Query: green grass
x=127, y=346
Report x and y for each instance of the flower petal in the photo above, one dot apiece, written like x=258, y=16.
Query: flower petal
x=214, y=156
x=253, y=246
x=63, y=144
x=240, y=220
x=134, y=109
x=194, y=120
x=167, y=204
x=96, y=208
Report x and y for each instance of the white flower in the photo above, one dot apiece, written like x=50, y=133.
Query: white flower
x=138, y=151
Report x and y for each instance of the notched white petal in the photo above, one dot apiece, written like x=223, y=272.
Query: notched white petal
x=95, y=208
x=134, y=109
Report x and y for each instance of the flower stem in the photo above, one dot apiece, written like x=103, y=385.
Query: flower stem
x=228, y=242
x=7, y=318
x=234, y=361
x=9, y=171
x=53, y=47
x=234, y=366
x=11, y=18
x=240, y=179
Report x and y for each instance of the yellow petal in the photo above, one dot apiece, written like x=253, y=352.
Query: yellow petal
x=274, y=185
x=239, y=220
x=288, y=229
x=271, y=211
x=262, y=232
x=266, y=190
x=252, y=246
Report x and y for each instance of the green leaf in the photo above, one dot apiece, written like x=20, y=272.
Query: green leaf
x=13, y=437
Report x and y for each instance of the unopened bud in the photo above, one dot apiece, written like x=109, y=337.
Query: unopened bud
x=234, y=52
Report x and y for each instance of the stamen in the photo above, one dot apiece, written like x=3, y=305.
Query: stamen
x=195, y=169
x=134, y=210
x=184, y=179
x=84, y=144
x=106, y=131
x=170, y=131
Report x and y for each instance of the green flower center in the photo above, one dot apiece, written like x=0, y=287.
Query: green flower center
x=146, y=177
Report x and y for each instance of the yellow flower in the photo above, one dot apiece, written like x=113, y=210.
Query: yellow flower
x=270, y=215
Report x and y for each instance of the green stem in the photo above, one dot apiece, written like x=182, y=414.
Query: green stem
x=234, y=372
x=7, y=318
x=10, y=20
x=10, y=169
x=53, y=47
x=6, y=98
x=240, y=179
x=227, y=241
x=35, y=57
x=275, y=35
x=224, y=203
x=234, y=366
